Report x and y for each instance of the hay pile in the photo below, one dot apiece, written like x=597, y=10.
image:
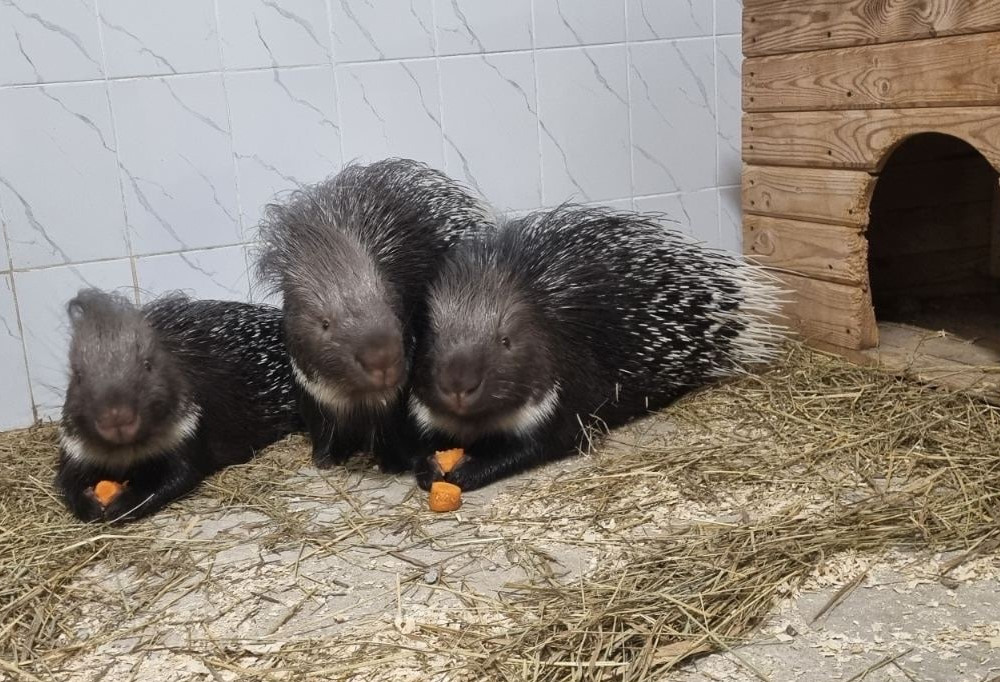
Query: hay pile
x=685, y=533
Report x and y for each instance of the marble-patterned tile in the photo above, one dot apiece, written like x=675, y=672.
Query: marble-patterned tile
x=42, y=296
x=391, y=109
x=655, y=19
x=176, y=163
x=260, y=33
x=389, y=29
x=728, y=64
x=563, y=23
x=616, y=204
x=285, y=133
x=260, y=292
x=44, y=42
x=469, y=26
x=15, y=398
x=730, y=219
x=156, y=38
x=491, y=127
x=673, y=116
x=728, y=17
x=695, y=214
x=58, y=178
x=583, y=109
x=213, y=274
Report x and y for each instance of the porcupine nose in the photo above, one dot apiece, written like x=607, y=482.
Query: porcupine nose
x=380, y=355
x=460, y=379
x=118, y=424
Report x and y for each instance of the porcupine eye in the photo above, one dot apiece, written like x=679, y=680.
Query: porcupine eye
x=505, y=340
x=147, y=365
x=325, y=324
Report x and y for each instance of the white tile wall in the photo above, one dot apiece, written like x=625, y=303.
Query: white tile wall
x=503, y=163
x=154, y=38
x=140, y=141
x=583, y=111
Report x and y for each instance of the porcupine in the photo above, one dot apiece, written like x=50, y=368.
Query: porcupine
x=570, y=319
x=163, y=395
x=352, y=258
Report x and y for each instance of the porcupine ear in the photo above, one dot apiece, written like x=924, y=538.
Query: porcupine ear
x=85, y=300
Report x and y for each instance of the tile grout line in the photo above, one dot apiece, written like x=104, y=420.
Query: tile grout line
x=248, y=243
x=17, y=317
x=140, y=256
x=440, y=90
x=133, y=265
x=538, y=109
x=628, y=91
x=232, y=144
x=718, y=109
x=258, y=69
x=331, y=61
x=334, y=70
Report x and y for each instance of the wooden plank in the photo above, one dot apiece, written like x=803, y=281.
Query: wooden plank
x=837, y=314
x=820, y=195
x=945, y=360
x=957, y=71
x=861, y=140
x=782, y=26
x=918, y=341
x=829, y=252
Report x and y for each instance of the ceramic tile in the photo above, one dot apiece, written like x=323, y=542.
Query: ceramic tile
x=728, y=17
x=469, y=26
x=491, y=127
x=44, y=42
x=388, y=29
x=563, y=23
x=391, y=109
x=15, y=399
x=695, y=214
x=155, y=38
x=728, y=62
x=673, y=116
x=260, y=33
x=42, y=296
x=583, y=109
x=176, y=163
x=730, y=219
x=214, y=274
x=58, y=178
x=285, y=133
x=658, y=19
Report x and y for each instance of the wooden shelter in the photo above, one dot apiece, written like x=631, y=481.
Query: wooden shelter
x=871, y=145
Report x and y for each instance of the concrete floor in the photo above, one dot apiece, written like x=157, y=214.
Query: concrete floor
x=900, y=623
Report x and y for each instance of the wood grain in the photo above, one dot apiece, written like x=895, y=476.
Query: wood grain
x=861, y=140
x=838, y=197
x=838, y=314
x=781, y=26
x=827, y=252
x=957, y=71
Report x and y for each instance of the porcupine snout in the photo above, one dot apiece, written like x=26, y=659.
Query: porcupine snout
x=379, y=353
x=118, y=424
x=459, y=378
